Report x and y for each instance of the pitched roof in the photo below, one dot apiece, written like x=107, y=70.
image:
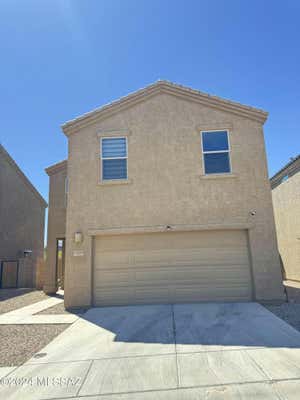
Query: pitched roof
x=163, y=86
x=27, y=182
x=289, y=169
x=52, y=169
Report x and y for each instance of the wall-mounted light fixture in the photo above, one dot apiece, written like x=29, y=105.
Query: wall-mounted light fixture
x=27, y=252
x=78, y=237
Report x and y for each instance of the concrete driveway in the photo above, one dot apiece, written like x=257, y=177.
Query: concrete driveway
x=183, y=351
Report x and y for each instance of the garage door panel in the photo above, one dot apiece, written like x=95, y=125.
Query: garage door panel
x=150, y=258
x=207, y=275
x=170, y=267
x=155, y=275
x=164, y=294
x=113, y=260
x=189, y=256
x=221, y=293
x=114, y=278
x=158, y=294
x=132, y=295
x=169, y=240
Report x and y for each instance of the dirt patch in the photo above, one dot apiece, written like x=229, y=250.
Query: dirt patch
x=18, y=343
x=12, y=299
x=60, y=309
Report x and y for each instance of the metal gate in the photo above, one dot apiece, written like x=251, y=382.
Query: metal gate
x=9, y=274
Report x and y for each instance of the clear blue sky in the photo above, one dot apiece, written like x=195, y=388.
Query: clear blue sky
x=61, y=58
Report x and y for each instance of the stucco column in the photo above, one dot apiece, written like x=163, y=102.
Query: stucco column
x=265, y=264
x=78, y=272
x=50, y=282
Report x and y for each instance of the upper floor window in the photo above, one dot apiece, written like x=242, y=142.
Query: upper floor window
x=215, y=149
x=114, y=158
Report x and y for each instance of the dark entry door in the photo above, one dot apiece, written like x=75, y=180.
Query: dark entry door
x=60, y=262
x=9, y=274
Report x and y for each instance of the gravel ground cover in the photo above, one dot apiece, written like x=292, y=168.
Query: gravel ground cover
x=18, y=343
x=12, y=299
x=60, y=309
x=289, y=312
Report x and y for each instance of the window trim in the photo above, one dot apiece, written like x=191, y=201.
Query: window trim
x=102, y=180
x=216, y=151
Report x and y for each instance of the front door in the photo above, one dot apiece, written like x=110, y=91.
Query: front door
x=60, y=262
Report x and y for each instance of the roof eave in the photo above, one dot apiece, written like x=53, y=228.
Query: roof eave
x=53, y=169
x=170, y=88
x=26, y=181
x=285, y=167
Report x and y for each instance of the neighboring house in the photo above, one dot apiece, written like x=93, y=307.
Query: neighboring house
x=168, y=201
x=286, y=202
x=22, y=216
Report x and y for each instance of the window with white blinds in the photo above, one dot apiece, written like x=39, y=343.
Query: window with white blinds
x=114, y=158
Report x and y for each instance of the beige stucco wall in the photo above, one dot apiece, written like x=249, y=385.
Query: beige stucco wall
x=167, y=187
x=22, y=215
x=56, y=221
x=286, y=200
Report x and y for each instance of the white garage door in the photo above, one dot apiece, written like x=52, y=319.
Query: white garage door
x=171, y=267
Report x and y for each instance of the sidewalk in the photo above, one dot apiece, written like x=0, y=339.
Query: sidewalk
x=26, y=315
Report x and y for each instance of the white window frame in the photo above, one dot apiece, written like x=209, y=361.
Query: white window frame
x=114, y=158
x=216, y=151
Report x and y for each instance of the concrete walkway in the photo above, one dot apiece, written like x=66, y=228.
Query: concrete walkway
x=25, y=315
x=183, y=352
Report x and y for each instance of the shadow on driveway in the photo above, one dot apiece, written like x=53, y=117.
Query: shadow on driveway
x=204, y=324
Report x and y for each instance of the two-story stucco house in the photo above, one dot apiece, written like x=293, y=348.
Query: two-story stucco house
x=168, y=201
x=22, y=217
x=286, y=200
